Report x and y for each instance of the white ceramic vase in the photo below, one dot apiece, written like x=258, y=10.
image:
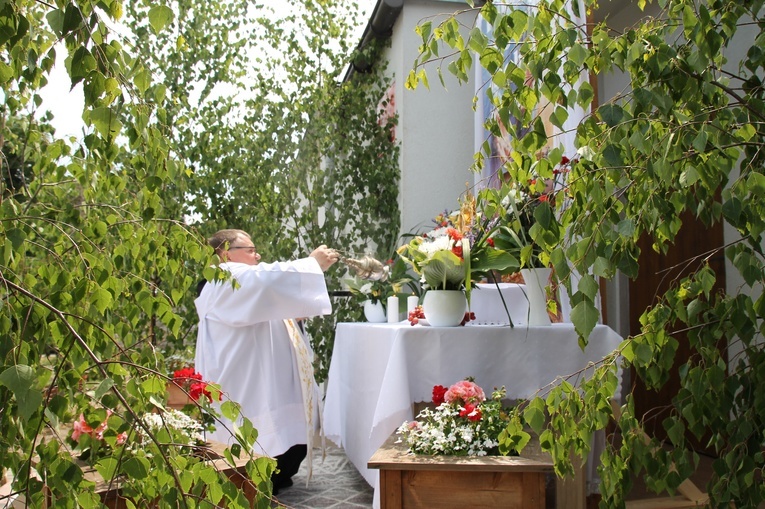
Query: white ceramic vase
x=536, y=282
x=374, y=312
x=444, y=308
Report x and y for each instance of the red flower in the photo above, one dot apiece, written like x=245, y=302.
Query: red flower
x=199, y=388
x=438, y=394
x=564, y=160
x=454, y=234
x=490, y=242
x=471, y=411
x=543, y=198
x=457, y=249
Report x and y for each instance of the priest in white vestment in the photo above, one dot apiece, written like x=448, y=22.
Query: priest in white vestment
x=249, y=342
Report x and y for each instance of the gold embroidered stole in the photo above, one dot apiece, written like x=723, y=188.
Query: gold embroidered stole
x=305, y=371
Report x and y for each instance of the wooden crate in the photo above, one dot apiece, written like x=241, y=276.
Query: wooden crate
x=454, y=482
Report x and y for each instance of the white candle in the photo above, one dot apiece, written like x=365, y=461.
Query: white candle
x=393, y=309
x=411, y=303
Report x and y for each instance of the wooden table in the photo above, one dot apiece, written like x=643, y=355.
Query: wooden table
x=410, y=481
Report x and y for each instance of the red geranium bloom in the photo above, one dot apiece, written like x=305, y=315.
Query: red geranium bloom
x=187, y=373
x=199, y=388
x=438, y=394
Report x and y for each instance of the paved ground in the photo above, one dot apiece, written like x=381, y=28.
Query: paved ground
x=336, y=484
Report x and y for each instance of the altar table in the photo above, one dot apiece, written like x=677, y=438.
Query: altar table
x=379, y=370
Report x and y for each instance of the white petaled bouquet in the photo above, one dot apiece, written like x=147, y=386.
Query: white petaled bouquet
x=464, y=422
x=172, y=426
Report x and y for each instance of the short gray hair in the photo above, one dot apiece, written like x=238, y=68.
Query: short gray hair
x=223, y=238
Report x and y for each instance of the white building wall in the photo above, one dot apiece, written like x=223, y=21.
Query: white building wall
x=435, y=126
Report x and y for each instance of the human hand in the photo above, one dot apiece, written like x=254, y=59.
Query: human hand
x=325, y=256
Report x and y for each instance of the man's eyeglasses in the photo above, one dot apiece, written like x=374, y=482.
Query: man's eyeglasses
x=252, y=249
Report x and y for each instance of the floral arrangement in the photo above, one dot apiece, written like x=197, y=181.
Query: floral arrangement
x=462, y=247
x=463, y=423
x=182, y=429
x=530, y=205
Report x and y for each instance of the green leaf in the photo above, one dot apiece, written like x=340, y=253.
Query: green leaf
x=21, y=379
x=137, y=467
x=534, y=415
x=230, y=410
x=107, y=467
x=17, y=238
x=8, y=23
x=584, y=316
x=72, y=19
x=578, y=54
x=104, y=387
x=159, y=17
x=6, y=72
x=106, y=121
x=81, y=65
x=612, y=114
x=588, y=285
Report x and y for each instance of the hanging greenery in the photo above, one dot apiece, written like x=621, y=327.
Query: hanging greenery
x=103, y=236
x=688, y=136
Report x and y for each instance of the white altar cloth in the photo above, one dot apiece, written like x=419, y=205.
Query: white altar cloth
x=378, y=370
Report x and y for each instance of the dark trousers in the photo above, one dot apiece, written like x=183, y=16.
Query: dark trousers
x=288, y=464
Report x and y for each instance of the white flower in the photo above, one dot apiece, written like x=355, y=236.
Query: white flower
x=440, y=243
x=172, y=419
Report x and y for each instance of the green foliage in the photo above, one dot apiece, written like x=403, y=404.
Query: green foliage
x=98, y=261
x=277, y=146
x=687, y=137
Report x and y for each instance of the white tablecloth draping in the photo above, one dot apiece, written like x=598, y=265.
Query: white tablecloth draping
x=378, y=370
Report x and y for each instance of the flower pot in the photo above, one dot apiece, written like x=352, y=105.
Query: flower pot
x=536, y=282
x=177, y=397
x=444, y=308
x=374, y=312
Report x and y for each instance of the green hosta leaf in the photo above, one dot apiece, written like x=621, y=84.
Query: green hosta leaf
x=444, y=271
x=20, y=379
x=159, y=17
